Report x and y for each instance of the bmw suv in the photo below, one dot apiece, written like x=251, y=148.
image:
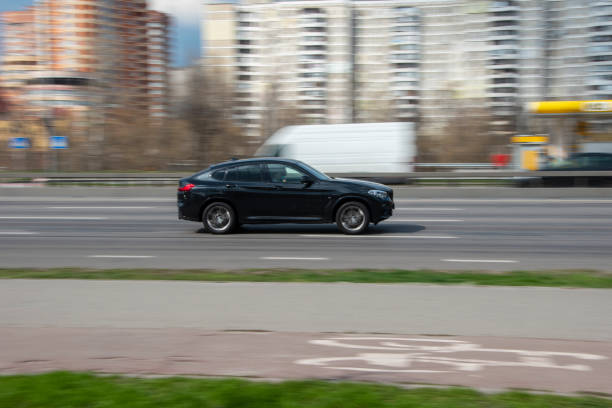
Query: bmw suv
x=273, y=190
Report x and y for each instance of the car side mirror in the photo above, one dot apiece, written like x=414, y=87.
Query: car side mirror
x=306, y=180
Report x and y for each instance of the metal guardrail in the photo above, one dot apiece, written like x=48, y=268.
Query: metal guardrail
x=449, y=177
x=463, y=166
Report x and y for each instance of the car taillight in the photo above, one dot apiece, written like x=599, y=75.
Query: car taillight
x=186, y=187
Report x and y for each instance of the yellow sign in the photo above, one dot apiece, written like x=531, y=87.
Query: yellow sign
x=529, y=159
x=530, y=139
x=570, y=107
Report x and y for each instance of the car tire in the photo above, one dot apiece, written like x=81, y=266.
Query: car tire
x=219, y=218
x=353, y=218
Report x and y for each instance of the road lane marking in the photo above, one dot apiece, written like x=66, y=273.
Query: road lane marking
x=481, y=260
x=292, y=258
x=377, y=236
x=504, y=200
x=18, y=233
x=52, y=218
x=100, y=199
x=121, y=256
x=423, y=220
x=429, y=209
x=101, y=208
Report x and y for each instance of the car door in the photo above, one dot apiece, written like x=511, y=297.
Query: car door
x=246, y=188
x=295, y=199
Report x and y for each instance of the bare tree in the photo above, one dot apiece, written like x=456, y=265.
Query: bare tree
x=207, y=112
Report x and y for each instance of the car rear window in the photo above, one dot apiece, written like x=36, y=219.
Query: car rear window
x=218, y=175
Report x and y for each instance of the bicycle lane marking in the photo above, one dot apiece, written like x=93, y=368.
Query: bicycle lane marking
x=421, y=355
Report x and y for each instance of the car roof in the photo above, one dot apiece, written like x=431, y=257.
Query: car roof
x=253, y=160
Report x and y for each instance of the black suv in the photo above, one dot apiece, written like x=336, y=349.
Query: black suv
x=271, y=190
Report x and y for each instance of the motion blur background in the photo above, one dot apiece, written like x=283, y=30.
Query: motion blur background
x=92, y=84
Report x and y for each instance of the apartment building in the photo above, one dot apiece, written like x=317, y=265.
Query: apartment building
x=315, y=61
x=432, y=62
x=88, y=53
x=19, y=58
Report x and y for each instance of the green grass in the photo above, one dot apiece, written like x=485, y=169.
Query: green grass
x=570, y=278
x=75, y=390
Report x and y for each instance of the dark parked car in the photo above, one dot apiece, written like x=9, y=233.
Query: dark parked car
x=583, y=162
x=272, y=190
x=579, y=162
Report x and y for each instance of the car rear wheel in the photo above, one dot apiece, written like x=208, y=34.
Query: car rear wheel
x=219, y=218
x=353, y=218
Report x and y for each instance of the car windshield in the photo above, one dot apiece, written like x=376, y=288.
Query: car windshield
x=317, y=173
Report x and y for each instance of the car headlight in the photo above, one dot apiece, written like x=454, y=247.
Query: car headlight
x=381, y=195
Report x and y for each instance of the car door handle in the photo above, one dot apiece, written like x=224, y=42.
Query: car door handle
x=230, y=185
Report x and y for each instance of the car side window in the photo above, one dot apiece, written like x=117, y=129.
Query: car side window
x=281, y=173
x=601, y=162
x=606, y=162
x=246, y=173
x=218, y=175
x=212, y=175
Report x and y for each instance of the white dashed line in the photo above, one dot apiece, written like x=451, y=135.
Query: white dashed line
x=53, y=218
x=378, y=236
x=121, y=256
x=291, y=258
x=504, y=200
x=101, y=208
x=422, y=220
x=481, y=260
x=429, y=209
x=18, y=233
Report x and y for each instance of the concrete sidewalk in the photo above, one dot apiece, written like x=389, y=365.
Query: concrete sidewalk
x=536, y=312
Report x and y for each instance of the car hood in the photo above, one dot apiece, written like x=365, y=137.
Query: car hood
x=363, y=183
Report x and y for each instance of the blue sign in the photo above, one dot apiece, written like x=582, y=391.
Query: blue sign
x=19, y=143
x=58, y=142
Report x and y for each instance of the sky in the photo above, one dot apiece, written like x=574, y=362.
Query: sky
x=185, y=31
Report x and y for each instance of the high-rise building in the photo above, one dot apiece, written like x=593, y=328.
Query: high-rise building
x=432, y=62
x=88, y=54
x=158, y=63
x=315, y=61
x=19, y=58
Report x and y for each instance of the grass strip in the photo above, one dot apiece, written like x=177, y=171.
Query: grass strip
x=561, y=278
x=77, y=390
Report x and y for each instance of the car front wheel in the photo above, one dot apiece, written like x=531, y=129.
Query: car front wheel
x=353, y=218
x=219, y=218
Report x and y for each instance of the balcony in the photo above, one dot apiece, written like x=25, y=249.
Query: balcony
x=312, y=104
x=305, y=30
x=312, y=12
x=312, y=22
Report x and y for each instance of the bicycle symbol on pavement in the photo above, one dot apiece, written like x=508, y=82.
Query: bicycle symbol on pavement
x=422, y=355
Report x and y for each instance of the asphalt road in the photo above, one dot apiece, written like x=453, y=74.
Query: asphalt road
x=494, y=229
x=486, y=337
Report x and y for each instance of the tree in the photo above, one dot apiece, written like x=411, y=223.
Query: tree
x=207, y=111
x=465, y=137
x=4, y=104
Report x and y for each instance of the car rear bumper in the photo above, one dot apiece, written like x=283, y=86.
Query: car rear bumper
x=185, y=212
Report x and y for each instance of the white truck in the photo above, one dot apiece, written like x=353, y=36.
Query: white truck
x=381, y=149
